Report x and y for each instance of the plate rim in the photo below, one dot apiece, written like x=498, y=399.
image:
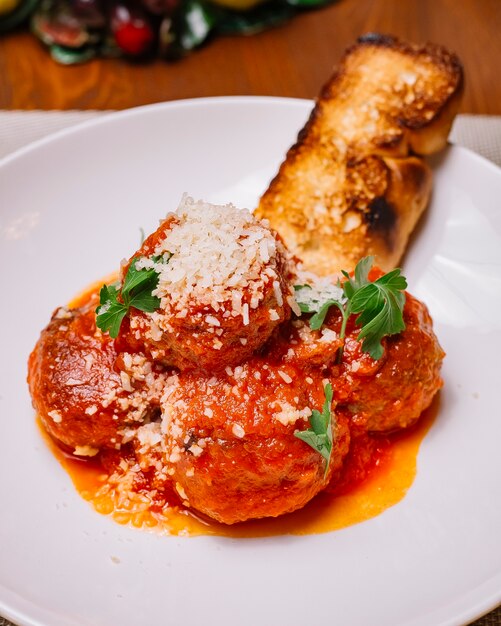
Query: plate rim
x=112, y=115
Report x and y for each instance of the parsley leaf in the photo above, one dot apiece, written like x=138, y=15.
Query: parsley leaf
x=138, y=281
x=319, y=436
x=136, y=292
x=380, y=305
x=317, y=320
x=361, y=277
x=111, y=312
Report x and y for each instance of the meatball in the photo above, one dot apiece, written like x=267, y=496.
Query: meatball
x=299, y=345
x=82, y=390
x=391, y=393
x=230, y=444
x=380, y=395
x=223, y=286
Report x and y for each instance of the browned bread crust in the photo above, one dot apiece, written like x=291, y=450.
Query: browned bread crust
x=352, y=185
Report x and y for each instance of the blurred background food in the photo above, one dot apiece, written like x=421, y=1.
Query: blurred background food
x=118, y=49
x=77, y=30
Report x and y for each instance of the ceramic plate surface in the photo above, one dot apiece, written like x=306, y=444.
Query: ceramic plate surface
x=70, y=208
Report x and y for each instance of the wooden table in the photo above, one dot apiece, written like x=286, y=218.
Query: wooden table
x=293, y=60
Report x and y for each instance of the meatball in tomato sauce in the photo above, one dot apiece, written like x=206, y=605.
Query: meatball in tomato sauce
x=230, y=445
x=223, y=285
x=83, y=391
x=391, y=393
x=380, y=395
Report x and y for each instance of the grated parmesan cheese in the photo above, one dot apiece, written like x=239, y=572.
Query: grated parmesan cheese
x=195, y=450
x=289, y=414
x=215, y=254
x=181, y=491
x=238, y=431
x=318, y=291
x=73, y=382
x=274, y=316
x=284, y=376
x=85, y=451
x=328, y=336
x=56, y=416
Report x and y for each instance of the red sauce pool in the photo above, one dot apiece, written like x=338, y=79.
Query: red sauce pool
x=370, y=487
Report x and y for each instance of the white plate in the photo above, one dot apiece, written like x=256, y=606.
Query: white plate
x=70, y=209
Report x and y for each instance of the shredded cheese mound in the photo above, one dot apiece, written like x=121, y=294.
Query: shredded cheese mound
x=317, y=290
x=289, y=414
x=219, y=257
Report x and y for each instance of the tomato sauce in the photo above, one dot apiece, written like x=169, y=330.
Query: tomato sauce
x=378, y=473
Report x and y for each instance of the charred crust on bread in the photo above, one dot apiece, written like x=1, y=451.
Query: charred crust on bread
x=389, y=142
x=376, y=39
x=381, y=220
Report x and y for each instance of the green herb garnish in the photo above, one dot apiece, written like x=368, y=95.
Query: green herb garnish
x=319, y=303
x=319, y=436
x=136, y=292
x=380, y=305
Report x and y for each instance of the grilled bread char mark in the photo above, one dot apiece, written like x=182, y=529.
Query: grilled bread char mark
x=354, y=184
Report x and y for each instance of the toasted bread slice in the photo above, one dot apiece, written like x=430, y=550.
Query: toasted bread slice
x=352, y=185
